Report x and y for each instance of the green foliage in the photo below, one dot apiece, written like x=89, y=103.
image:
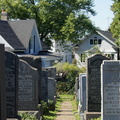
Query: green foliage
x=45, y=107
x=65, y=20
x=51, y=105
x=115, y=26
x=99, y=118
x=68, y=72
x=27, y=116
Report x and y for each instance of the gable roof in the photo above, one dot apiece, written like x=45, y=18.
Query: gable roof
x=23, y=29
x=107, y=35
x=9, y=35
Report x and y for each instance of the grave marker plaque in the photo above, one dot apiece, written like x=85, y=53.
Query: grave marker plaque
x=28, y=87
x=2, y=84
x=110, y=87
x=94, y=83
x=11, y=68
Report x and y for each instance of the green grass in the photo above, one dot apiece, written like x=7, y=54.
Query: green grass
x=60, y=99
x=52, y=114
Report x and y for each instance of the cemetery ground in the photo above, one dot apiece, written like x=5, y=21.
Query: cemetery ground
x=73, y=112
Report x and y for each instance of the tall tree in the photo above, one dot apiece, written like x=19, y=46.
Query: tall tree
x=62, y=20
x=115, y=26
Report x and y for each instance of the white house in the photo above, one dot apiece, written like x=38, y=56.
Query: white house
x=22, y=37
x=65, y=50
x=101, y=42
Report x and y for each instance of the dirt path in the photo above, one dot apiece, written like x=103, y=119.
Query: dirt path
x=65, y=113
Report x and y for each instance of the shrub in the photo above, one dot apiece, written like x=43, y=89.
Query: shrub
x=45, y=108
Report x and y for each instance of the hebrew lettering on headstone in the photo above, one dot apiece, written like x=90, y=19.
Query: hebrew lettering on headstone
x=94, y=82
x=2, y=84
x=110, y=87
x=11, y=68
x=28, y=87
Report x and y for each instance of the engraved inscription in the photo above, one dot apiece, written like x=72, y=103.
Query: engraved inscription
x=112, y=99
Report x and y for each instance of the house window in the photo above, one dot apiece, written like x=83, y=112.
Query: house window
x=83, y=57
x=32, y=44
x=95, y=41
x=91, y=41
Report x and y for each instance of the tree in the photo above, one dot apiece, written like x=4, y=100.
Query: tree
x=115, y=26
x=62, y=20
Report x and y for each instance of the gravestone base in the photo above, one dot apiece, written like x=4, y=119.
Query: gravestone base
x=36, y=113
x=90, y=115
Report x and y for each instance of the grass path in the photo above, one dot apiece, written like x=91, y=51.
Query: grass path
x=65, y=107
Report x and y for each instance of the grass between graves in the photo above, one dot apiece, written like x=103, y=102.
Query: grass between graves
x=60, y=99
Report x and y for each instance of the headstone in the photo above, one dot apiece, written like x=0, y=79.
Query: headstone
x=82, y=86
x=2, y=84
x=11, y=68
x=51, y=88
x=94, y=83
x=110, y=87
x=34, y=61
x=44, y=85
x=93, y=86
x=28, y=87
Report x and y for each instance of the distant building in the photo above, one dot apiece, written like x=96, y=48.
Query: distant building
x=99, y=42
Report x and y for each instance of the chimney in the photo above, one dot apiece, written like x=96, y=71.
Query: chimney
x=4, y=15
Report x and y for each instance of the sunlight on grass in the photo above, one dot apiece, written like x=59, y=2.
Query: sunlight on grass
x=60, y=99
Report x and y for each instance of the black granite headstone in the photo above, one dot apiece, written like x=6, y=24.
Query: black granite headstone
x=11, y=68
x=2, y=84
x=94, y=82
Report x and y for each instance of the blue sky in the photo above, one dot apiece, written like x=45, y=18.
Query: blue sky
x=104, y=14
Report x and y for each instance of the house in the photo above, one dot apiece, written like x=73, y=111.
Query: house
x=21, y=36
x=99, y=42
x=64, y=50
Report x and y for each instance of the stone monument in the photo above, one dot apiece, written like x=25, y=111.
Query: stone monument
x=110, y=87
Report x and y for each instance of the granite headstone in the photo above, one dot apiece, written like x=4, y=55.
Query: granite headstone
x=35, y=61
x=93, y=88
x=28, y=87
x=51, y=88
x=2, y=84
x=11, y=69
x=110, y=87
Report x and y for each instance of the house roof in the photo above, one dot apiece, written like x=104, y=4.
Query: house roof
x=9, y=35
x=106, y=34
x=17, y=33
x=23, y=29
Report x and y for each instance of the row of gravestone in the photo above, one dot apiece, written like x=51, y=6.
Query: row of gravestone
x=24, y=84
x=98, y=90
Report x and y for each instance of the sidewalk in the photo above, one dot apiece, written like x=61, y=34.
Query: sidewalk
x=65, y=113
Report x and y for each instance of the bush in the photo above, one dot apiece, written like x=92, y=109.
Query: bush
x=27, y=116
x=45, y=108
x=51, y=105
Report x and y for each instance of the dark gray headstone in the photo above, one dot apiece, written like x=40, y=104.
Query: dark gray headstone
x=110, y=87
x=51, y=88
x=94, y=83
x=2, y=84
x=44, y=85
x=34, y=61
x=28, y=87
x=11, y=68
